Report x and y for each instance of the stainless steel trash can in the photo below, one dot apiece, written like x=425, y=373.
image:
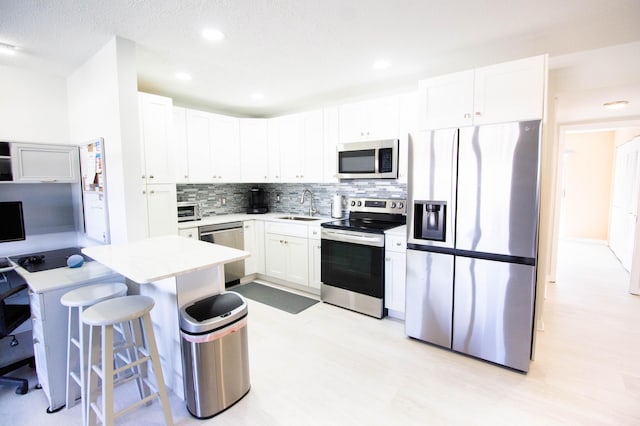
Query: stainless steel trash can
x=215, y=353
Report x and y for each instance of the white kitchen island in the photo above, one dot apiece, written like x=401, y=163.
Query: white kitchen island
x=50, y=321
x=174, y=271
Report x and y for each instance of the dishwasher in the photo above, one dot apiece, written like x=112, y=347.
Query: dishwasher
x=230, y=234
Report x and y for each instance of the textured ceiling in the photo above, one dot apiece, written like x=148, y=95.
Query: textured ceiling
x=305, y=53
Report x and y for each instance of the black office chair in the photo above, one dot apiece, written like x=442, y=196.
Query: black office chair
x=11, y=316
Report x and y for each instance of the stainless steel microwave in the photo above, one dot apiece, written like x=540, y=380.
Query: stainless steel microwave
x=188, y=210
x=368, y=160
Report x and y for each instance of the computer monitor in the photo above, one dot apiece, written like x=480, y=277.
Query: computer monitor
x=11, y=221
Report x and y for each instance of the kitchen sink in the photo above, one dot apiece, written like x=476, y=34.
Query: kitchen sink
x=303, y=218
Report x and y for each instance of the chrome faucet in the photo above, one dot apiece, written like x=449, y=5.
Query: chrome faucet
x=312, y=208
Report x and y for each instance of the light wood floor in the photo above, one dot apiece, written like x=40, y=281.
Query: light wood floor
x=329, y=366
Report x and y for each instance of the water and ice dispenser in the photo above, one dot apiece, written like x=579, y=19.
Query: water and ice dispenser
x=430, y=220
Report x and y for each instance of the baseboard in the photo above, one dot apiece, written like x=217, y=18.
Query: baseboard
x=586, y=240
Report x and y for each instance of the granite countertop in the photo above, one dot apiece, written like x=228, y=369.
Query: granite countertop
x=157, y=258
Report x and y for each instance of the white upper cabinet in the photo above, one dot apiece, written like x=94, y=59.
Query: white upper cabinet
x=212, y=147
x=156, y=122
x=447, y=101
x=224, y=138
x=273, y=150
x=199, y=148
x=311, y=148
x=300, y=140
x=369, y=120
x=179, y=143
x=511, y=91
x=254, y=150
x=44, y=163
x=408, y=124
x=290, y=135
x=331, y=136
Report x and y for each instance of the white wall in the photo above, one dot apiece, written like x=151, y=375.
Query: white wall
x=575, y=82
x=103, y=102
x=33, y=107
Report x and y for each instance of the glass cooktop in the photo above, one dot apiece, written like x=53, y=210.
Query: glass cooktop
x=376, y=227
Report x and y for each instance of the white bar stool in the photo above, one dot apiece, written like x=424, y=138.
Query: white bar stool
x=77, y=301
x=133, y=313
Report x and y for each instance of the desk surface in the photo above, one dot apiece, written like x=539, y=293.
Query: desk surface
x=53, y=279
x=154, y=259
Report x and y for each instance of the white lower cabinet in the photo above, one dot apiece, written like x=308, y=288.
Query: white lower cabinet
x=254, y=244
x=286, y=252
x=50, y=321
x=395, y=274
x=314, y=258
x=286, y=258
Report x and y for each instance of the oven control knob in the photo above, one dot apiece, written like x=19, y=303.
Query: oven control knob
x=359, y=203
x=353, y=203
x=400, y=205
x=393, y=204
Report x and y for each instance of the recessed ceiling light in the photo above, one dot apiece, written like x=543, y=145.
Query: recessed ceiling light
x=8, y=49
x=212, y=34
x=257, y=96
x=183, y=76
x=381, y=64
x=616, y=104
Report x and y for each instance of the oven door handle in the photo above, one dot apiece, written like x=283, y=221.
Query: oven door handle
x=373, y=240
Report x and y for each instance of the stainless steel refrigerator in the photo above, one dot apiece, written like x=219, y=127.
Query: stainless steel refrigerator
x=472, y=240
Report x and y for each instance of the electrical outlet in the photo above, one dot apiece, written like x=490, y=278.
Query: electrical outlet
x=223, y=201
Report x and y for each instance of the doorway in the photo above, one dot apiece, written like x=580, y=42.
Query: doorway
x=597, y=193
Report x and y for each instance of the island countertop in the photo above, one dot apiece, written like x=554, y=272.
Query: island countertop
x=157, y=258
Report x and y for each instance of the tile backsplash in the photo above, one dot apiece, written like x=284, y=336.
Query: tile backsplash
x=285, y=197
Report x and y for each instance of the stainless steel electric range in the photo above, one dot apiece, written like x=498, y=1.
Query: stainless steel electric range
x=352, y=254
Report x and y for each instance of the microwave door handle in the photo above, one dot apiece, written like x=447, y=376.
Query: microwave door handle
x=376, y=160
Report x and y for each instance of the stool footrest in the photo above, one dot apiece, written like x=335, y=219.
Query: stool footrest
x=75, y=378
x=124, y=411
x=123, y=380
x=98, y=369
x=76, y=342
x=123, y=346
x=131, y=365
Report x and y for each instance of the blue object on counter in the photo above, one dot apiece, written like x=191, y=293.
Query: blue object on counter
x=75, y=261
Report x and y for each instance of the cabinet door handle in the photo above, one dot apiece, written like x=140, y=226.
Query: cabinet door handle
x=467, y=115
x=478, y=114
x=152, y=192
x=150, y=176
x=386, y=259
